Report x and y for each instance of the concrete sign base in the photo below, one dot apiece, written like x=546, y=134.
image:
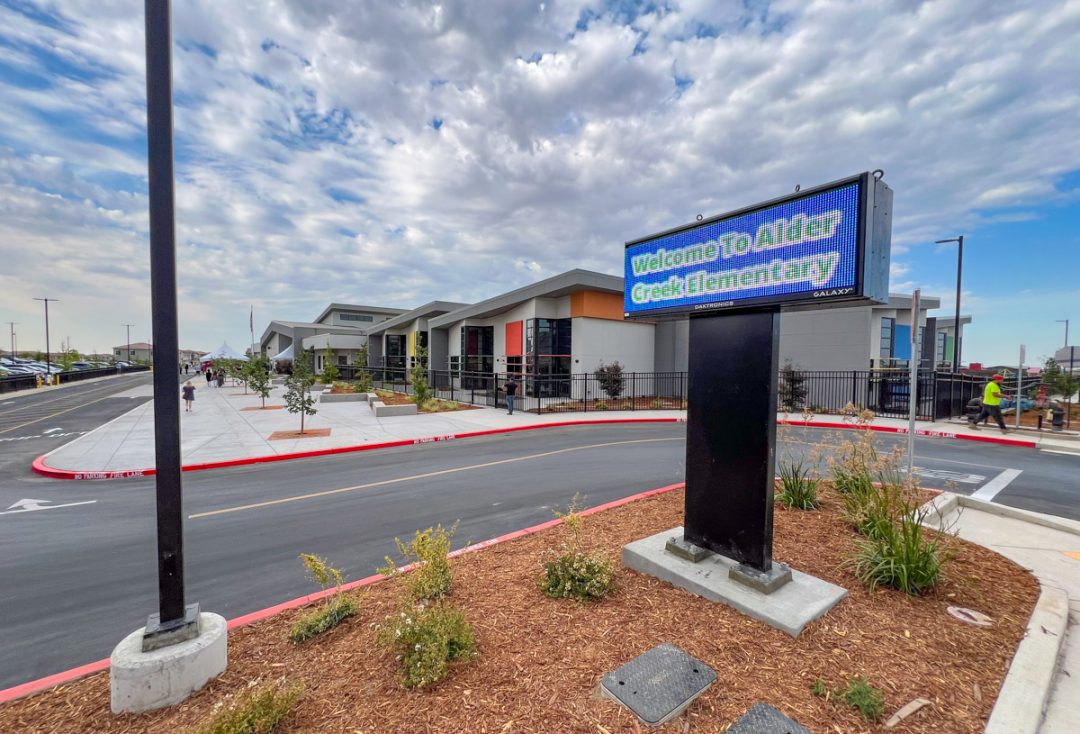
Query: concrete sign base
x=144, y=681
x=789, y=608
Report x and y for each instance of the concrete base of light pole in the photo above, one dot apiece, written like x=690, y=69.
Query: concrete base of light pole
x=143, y=681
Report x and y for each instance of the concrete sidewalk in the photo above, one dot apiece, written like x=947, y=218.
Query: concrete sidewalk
x=1043, y=685
x=228, y=425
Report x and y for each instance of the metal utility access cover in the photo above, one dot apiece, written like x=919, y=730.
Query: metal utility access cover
x=659, y=684
x=764, y=719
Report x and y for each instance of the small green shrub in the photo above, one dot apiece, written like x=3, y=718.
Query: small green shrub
x=428, y=550
x=322, y=619
x=578, y=575
x=600, y=405
x=338, y=608
x=864, y=698
x=657, y=404
x=798, y=486
x=256, y=712
x=574, y=572
x=818, y=688
x=426, y=639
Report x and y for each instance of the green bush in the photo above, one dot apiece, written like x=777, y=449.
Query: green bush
x=573, y=572
x=255, y=712
x=322, y=619
x=864, y=698
x=818, y=688
x=798, y=486
x=426, y=639
x=339, y=607
x=578, y=575
x=600, y=405
x=428, y=550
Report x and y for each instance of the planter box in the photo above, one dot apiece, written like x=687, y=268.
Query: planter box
x=343, y=397
x=382, y=410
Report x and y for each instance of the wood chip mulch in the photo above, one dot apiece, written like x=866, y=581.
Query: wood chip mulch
x=264, y=407
x=308, y=433
x=540, y=660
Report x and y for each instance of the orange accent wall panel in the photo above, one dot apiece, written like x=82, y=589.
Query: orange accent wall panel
x=513, y=339
x=596, y=305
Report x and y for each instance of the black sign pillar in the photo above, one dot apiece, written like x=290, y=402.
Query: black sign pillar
x=174, y=622
x=731, y=435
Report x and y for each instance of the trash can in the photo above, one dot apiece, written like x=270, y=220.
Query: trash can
x=1057, y=417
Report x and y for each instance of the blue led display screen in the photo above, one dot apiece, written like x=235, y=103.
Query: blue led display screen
x=807, y=246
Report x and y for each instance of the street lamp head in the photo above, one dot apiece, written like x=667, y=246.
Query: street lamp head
x=943, y=242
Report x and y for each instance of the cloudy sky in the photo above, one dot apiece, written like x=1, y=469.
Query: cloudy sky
x=391, y=153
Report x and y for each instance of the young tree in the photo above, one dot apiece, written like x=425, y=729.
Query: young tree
x=791, y=391
x=297, y=388
x=419, y=375
x=330, y=370
x=1058, y=381
x=257, y=375
x=610, y=377
x=67, y=358
x=363, y=381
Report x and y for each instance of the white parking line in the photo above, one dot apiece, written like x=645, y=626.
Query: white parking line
x=989, y=490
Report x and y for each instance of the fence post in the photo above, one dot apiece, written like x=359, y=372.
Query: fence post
x=854, y=387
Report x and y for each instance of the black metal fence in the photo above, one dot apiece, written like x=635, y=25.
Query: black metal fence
x=11, y=383
x=886, y=393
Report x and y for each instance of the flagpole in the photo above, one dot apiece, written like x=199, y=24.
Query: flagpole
x=251, y=328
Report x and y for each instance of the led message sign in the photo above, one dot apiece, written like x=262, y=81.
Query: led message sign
x=820, y=246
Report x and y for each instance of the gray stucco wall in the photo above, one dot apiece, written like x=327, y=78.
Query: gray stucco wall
x=830, y=339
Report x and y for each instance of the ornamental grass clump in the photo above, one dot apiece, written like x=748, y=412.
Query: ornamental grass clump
x=337, y=608
x=574, y=572
x=426, y=639
x=428, y=552
x=255, y=712
x=798, y=485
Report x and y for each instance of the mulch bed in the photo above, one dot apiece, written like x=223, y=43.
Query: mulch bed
x=308, y=433
x=540, y=660
x=263, y=407
x=437, y=406
x=645, y=402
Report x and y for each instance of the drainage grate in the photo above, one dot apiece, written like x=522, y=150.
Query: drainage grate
x=659, y=684
x=764, y=719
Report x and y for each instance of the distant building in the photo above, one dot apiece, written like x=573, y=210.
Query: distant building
x=1068, y=358
x=134, y=352
x=341, y=326
x=190, y=356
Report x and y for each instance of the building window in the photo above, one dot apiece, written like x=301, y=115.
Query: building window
x=455, y=363
x=888, y=326
x=355, y=317
x=342, y=359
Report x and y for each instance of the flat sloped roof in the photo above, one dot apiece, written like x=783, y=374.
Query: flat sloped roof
x=428, y=309
x=553, y=287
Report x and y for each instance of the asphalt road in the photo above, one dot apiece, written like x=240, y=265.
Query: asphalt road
x=76, y=579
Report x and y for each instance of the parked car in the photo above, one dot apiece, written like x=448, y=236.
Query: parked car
x=82, y=366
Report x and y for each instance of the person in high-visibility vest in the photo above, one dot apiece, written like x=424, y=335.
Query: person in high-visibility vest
x=991, y=404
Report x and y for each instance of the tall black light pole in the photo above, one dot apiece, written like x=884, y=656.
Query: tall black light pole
x=48, y=355
x=959, y=271
x=1066, y=322
x=174, y=623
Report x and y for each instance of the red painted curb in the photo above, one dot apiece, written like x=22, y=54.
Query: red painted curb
x=67, y=676
x=929, y=432
x=40, y=467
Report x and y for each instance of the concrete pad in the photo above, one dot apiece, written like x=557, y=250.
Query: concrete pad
x=789, y=608
x=143, y=681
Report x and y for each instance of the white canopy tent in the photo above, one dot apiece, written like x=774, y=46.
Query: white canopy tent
x=285, y=355
x=223, y=352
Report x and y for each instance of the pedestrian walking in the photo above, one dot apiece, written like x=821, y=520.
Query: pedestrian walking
x=220, y=376
x=209, y=377
x=511, y=388
x=189, y=395
x=991, y=404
